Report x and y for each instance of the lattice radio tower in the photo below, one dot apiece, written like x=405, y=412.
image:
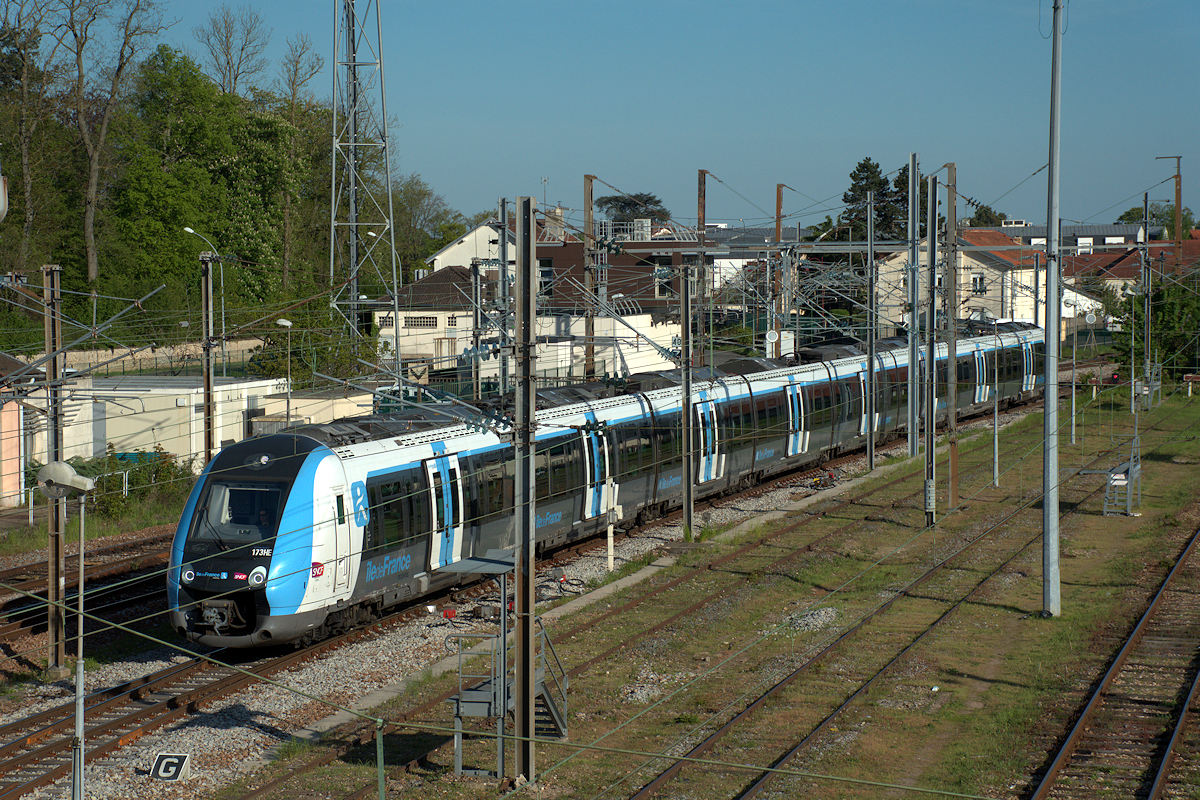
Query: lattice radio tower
x=361, y=235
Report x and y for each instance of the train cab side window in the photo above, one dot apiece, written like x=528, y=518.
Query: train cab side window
x=341, y=509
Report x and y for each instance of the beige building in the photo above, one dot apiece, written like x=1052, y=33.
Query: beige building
x=998, y=278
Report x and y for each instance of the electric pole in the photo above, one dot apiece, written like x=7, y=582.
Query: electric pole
x=931, y=356
x=1178, y=211
x=950, y=270
x=476, y=324
x=206, y=259
x=1146, y=276
x=1051, y=587
x=685, y=404
x=589, y=282
x=705, y=286
x=914, y=355
x=526, y=354
x=871, y=323
x=505, y=297
x=56, y=569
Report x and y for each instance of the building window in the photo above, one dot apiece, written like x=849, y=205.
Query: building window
x=451, y=321
x=546, y=277
x=978, y=286
x=386, y=321
x=664, y=276
x=1085, y=245
x=420, y=322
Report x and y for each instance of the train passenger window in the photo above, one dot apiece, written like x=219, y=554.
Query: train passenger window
x=496, y=477
x=399, y=509
x=668, y=432
x=566, y=469
x=541, y=470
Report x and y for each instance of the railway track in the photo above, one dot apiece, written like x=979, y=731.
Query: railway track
x=118, y=566
x=879, y=647
x=1126, y=739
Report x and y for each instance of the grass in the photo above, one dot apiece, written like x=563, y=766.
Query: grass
x=146, y=514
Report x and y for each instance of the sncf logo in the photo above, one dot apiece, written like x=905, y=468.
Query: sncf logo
x=318, y=569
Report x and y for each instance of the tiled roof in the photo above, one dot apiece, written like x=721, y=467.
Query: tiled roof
x=446, y=288
x=990, y=237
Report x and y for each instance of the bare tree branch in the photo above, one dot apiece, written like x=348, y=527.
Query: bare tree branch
x=79, y=23
x=235, y=41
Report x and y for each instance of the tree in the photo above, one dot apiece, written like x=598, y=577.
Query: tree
x=424, y=221
x=628, y=207
x=235, y=42
x=900, y=193
x=889, y=217
x=1160, y=214
x=95, y=98
x=986, y=217
x=300, y=65
x=30, y=74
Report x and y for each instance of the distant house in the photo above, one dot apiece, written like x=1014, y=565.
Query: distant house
x=998, y=278
x=1078, y=239
x=436, y=331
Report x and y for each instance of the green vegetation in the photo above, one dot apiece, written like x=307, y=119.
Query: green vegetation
x=107, y=165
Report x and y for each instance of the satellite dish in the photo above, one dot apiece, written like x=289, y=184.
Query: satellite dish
x=772, y=337
x=1089, y=318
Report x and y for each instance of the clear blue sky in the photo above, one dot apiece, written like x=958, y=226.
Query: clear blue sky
x=489, y=99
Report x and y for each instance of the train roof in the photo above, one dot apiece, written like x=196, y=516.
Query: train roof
x=442, y=417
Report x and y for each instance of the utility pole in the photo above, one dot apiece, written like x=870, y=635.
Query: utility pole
x=931, y=356
x=779, y=271
x=950, y=270
x=1037, y=287
x=589, y=281
x=56, y=571
x=505, y=297
x=1146, y=277
x=1051, y=586
x=778, y=213
x=524, y=443
x=871, y=323
x=476, y=324
x=914, y=356
x=705, y=287
x=685, y=403
x=206, y=260
x=1178, y=211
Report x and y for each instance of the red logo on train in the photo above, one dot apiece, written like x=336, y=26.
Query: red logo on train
x=318, y=569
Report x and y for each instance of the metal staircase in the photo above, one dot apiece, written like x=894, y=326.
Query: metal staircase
x=484, y=695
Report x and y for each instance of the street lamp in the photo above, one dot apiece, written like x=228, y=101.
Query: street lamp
x=287, y=323
x=221, y=267
x=58, y=479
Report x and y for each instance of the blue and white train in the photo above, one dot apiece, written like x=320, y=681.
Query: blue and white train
x=293, y=536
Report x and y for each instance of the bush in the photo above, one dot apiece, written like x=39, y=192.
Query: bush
x=154, y=477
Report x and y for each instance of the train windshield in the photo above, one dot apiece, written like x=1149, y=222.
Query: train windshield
x=236, y=515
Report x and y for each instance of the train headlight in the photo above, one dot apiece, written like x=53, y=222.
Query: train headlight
x=187, y=574
x=258, y=576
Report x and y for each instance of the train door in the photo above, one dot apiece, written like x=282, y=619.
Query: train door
x=863, y=387
x=445, y=496
x=981, y=376
x=710, y=462
x=1027, y=376
x=341, y=539
x=595, y=469
x=797, y=429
